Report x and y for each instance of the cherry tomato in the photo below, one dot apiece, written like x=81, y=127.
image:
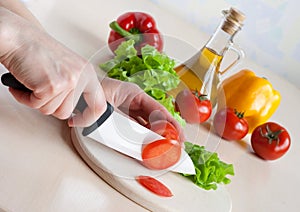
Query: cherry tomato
x=154, y=186
x=164, y=128
x=270, y=141
x=230, y=124
x=161, y=154
x=193, y=106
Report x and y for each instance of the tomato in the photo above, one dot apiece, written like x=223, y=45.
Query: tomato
x=164, y=128
x=270, y=141
x=154, y=186
x=193, y=106
x=230, y=124
x=161, y=154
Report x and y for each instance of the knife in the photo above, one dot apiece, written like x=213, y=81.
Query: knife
x=116, y=131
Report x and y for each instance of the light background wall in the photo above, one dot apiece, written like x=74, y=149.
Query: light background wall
x=270, y=36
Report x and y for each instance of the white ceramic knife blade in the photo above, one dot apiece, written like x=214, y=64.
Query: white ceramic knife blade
x=127, y=136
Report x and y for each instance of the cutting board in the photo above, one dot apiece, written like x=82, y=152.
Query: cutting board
x=119, y=171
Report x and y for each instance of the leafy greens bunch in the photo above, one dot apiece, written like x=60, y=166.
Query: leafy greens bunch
x=152, y=71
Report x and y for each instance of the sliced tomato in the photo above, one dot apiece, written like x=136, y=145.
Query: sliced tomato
x=161, y=154
x=154, y=186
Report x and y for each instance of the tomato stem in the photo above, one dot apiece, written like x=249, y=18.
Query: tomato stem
x=270, y=135
x=201, y=97
x=240, y=115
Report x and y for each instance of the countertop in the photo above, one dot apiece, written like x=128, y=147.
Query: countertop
x=41, y=171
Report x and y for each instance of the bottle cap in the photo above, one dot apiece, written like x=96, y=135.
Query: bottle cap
x=233, y=20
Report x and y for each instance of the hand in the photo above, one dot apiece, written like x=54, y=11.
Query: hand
x=55, y=74
x=133, y=101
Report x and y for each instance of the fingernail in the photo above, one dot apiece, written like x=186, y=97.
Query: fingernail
x=71, y=122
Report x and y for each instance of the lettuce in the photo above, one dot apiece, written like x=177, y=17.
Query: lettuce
x=152, y=71
x=210, y=170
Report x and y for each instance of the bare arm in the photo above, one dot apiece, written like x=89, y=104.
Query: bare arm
x=56, y=75
x=20, y=9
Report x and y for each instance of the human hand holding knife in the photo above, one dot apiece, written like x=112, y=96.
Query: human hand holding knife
x=115, y=131
x=9, y=80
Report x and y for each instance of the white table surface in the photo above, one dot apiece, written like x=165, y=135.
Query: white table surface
x=41, y=171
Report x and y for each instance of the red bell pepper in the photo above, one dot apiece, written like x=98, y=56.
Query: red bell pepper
x=138, y=26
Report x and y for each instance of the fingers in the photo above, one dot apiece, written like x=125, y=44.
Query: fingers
x=133, y=101
x=162, y=114
x=95, y=99
x=57, y=102
x=62, y=104
x=145, y=108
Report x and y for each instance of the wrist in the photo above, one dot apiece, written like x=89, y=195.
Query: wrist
x=14, y=31
x=18, y=7
x=7, y=36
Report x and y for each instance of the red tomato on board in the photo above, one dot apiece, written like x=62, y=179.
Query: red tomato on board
x=164, y=128
x=193, y=106
x=154, y=186
x=230, y=124
x=270, y=141
x=161, y=154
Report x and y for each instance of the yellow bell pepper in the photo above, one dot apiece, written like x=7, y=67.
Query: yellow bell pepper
x=248, y=93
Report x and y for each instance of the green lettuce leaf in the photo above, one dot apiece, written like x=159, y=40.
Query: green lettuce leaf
x=152, y=71
x=210, y=170
x=125, y=50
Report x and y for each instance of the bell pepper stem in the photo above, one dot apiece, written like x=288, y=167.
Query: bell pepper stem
x=116, y=27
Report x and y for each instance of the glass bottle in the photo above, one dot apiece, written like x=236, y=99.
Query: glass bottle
x=202, y=71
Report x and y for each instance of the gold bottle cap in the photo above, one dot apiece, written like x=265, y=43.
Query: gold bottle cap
x=233, y=20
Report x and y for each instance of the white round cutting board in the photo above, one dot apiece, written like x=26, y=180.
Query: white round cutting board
x=120, y=171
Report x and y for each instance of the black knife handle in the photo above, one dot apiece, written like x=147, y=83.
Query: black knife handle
x=9, y=80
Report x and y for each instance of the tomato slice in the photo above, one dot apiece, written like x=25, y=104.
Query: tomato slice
x=161, y=154
x=154, y=186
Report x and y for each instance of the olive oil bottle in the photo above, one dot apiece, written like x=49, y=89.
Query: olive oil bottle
x=202, y=71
